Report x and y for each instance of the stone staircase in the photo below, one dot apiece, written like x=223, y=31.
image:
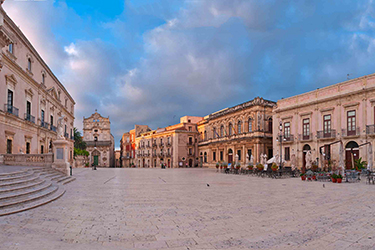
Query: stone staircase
x=31, y=188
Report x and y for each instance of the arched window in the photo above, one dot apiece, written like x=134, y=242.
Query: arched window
x=205, y=157
x=214, y=133
x=239, y=127
x=250, y=125
x=205, y=135
x=230, y=128
x=222, y=131
x=270, y=125
x=43, y=79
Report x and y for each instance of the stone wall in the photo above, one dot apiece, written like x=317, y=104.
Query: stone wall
x=35, y=160
x=80, y=161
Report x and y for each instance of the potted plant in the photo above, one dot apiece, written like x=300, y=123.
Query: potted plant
x=217, y=166
x=238, y=166
x=339, y=178
x=274, y=167
x=334, y=178
x=314, y=177
x=359, y=164
x=250, y=167
x=303, y=176
x=86, y=165
x=260, y=167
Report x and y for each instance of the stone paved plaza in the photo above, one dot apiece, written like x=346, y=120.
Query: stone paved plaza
x=175, y=209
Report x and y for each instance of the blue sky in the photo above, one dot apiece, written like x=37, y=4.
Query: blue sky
x=150, y=62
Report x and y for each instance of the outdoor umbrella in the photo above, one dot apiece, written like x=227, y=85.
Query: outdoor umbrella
x=341, y=159
x=369, y=165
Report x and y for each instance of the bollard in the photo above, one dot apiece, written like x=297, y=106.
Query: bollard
x=71, y=170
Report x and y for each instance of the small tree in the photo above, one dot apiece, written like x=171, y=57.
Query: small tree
x=78, y=140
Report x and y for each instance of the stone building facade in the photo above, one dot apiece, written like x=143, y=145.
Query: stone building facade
x=174, y=146
x=316, y=120
x=99, y=140
x=127, y=145
x=31, y=97
x=245, y=129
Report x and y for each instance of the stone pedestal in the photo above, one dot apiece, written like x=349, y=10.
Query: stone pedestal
x=60, y=156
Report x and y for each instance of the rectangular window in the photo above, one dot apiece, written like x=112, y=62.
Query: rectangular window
x=270, y=153
x=41, y=149
x=9, y=146
x=189, y=128
x=11, y=48
x=287, y=129
x=287, y=154
x=190, y=140
x=239, y=154
x=42, y=116
x=27, y=147
x=10, y=100
x=249, y=153
x=190, y=151
x=221, y=155
x=306, y=129
x=51, y=120
x=351, y=123
x=214, y=156
x=327, y=126
x=28, y=108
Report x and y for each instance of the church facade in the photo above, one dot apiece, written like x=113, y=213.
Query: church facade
x=99, y=140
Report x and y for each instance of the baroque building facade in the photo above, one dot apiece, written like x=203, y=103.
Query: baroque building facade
x=243, y=130
x=317, y=121
x=99, y=140
x=127, y=145
x=174, y=146
x=32, y=98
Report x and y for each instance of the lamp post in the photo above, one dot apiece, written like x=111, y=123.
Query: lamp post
x=95, y=140
x=280, y=139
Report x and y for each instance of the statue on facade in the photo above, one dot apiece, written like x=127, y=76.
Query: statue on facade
x=60, y=127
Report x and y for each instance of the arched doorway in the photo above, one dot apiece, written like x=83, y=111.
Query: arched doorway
x=169, y=163
x=161, y=161
x=351, y=154
x=230, y=155
x=305, y=149
x=95, y=157
x=143, y=163
x=190, y=163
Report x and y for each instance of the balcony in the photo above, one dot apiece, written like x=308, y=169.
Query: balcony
x=142, y=146
x=161, y=154
x=154, y=154
x=154, y=145
x=169, y=144
x=370, y=129
x=44, y=124
x=288, y=138
x=148, y=146
x=349, y=133
x=53, y=128
x=190, y=153
x=29, y=118
x=11, y=109
x=66, y=135
x=161, y=144
x=329, y=134
x=72, y=137
x=168, y=154
x=305, y=137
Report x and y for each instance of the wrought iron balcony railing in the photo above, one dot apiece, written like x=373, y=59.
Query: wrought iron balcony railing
x=44, y=124
x=29, y=117
x=305, y=137
x=288, y=138
x=326, y=134
x=161, y=144
x=53, y=128
x=346, y=132
x=11, y=109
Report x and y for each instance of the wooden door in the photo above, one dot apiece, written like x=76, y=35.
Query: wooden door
x=96, y=160
x=348, y=158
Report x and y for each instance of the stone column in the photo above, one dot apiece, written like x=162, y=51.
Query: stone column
x=60, y=156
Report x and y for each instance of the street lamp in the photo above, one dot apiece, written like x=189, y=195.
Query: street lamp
x=95, y=140
x=280, y=139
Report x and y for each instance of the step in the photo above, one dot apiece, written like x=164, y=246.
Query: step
x=52, y=175
x=19, y=182
x=10, y=178
x=34, y=204
x=25, y=192
x=58, y=177
x=29, y=198
x=68, y=181
x=13, y=173
x=63, y=178
x=27, y=185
